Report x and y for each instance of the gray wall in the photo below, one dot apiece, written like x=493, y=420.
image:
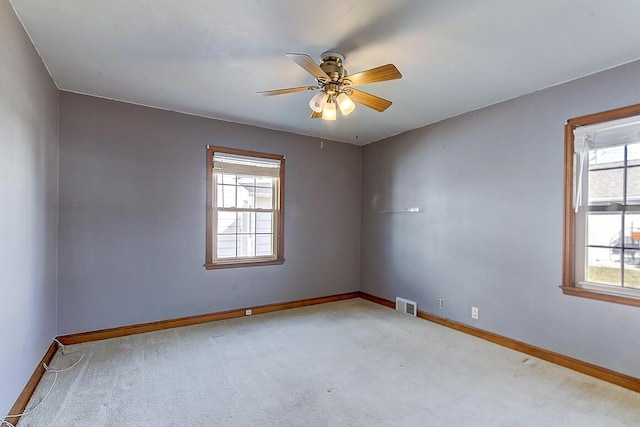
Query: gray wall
x=132, y=217
x=490, y=183
x=28, y=207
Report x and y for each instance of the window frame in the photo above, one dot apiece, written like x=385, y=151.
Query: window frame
x=211, y=227
x=569, y=285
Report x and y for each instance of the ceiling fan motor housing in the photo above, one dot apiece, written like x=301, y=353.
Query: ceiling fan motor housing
x=332, y=65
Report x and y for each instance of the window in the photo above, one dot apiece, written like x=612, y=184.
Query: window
x=245, y=214
x=602, y=206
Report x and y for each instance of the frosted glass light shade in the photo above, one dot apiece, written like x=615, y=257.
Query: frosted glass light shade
x=345, y=104
x=329, y=111
x=318, y=102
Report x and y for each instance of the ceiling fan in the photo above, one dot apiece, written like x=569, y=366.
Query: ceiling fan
x=336, y=87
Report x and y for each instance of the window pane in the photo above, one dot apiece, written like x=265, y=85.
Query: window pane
x=264, y=198
x=247, y=180
x=600, y=269
x=633, y=154
x=606, y=157
x=226, y=196
x=264, y=222
x=246, y=222
x=603, y=228
x=606, y=186
x=264, y=245
x=246, y=197
x=633, y=185
x=227, y=223
x=632, y=268
x=226, y=246
x=228, y=178
x=632, y=230
x=246, y=245
x=264, y=182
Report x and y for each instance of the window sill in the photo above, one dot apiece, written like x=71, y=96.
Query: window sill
x=600, y=295
x=218, y=266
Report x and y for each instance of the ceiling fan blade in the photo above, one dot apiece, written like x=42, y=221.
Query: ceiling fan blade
x=378, y=74
x=371, y=101
x=315, y=115
x=288, y=90
x=306, y=62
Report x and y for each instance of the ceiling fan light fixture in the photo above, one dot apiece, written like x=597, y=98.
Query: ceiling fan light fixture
x=318, y=101
x=329, y=110
x=335, y=85
x=345, y=104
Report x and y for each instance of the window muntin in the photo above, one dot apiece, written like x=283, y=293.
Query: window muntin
x=602, y=206
x=244, y=208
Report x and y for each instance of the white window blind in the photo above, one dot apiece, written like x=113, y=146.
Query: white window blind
x=245, y=165
x=607, y=134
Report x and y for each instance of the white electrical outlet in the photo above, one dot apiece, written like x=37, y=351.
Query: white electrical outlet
x=247, y=312
x=474, y=313
x=440, y=303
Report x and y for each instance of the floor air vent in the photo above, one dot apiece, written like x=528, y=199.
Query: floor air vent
x=406, y=306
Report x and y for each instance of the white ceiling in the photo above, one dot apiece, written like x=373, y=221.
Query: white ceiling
x=210, y=57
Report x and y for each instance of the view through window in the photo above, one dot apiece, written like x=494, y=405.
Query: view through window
x=613, y=220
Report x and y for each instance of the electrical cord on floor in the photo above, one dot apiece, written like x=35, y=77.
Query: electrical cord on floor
x=55, y=372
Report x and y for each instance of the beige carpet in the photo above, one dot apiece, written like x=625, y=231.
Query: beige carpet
x=350, y=363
